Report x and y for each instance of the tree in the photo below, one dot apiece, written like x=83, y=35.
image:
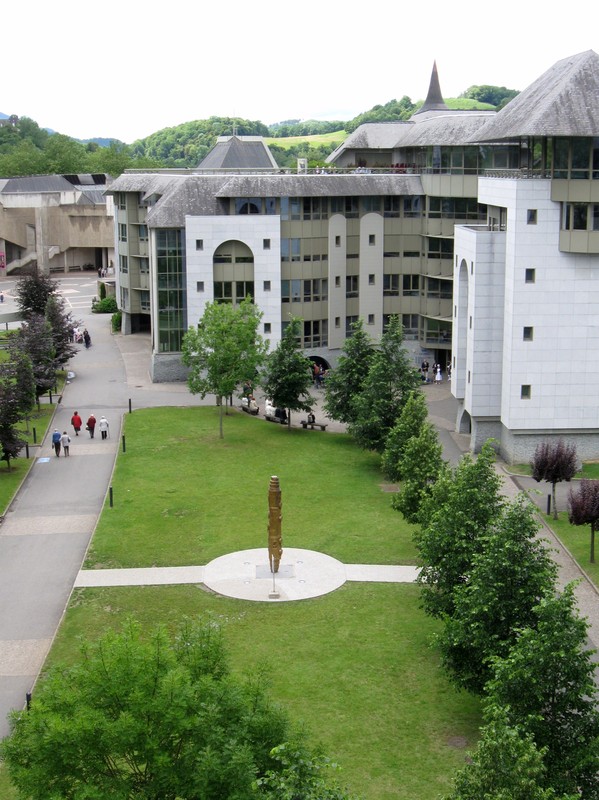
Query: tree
x=19, y=370
x=463, y=504
x=390, y=380
x=287, y=377
x=223, y=351
x=155, y=716
x=583, y=508
x=554, y=462
x=421, y=465
x=409, y=424
x=11, y=442
x=506, y=765
x=510, y=573
x=35, y=340
x=61, y=324
x=546, y=684
x=32, y=293
x=495, y=95
x=347, y=379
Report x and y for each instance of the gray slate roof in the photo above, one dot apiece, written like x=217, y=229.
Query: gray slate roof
x=239, y=152
x=564, y=101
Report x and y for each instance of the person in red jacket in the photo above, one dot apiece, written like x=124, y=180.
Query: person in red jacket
x=76, y=422
x=91, y=424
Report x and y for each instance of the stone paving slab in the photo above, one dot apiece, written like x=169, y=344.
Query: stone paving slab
x=27, y=526
x=23, y=657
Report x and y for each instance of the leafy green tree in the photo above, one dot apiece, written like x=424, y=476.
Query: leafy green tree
x=583, y=508
x=64, y=155
x=390, y=380
x=546, y=684
x=19, y=370
x=35, y=339
x=463, y=504
x=11, y=442
x=506, y=765
x=287, y=376
x=23, y=159
x=554, y=462
x=347, y=379
x=151, y=717
x=510, y=573
x=223, y=351
x=389, y=112
x=32, y=292
x=421, y=465
x=495, y=95
x=61, y=324
x=409, y=424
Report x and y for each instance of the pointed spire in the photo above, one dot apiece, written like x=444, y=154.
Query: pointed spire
x=434, y=99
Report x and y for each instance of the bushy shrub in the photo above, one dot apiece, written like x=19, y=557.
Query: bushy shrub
x=116, y=321
x=106, y=306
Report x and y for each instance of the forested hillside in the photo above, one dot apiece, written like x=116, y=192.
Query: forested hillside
x=27, y=149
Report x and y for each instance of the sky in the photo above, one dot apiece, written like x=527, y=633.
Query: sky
x=125, y=70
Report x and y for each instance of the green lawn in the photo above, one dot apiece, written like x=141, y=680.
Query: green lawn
x=577, y=538
x=184, y=496
x=336, y=137
x=355, y=666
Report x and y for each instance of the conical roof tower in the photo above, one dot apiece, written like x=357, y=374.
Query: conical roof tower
x=434, y=99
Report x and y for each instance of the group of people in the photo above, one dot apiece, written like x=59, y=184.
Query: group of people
x=90, y=425
x=61, y=440
x=434, y=374
x=319, y=375
x=81, y=337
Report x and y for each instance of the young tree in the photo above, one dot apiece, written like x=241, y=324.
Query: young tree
x=223, y=351
x=546, y=684
x=583, y=508
x=421, y=465
x=287, y=376
x=506, y=765
x=554, y=462
x=35, y=339
x=463, y=504
x=32, y=293
x=61, y=324
x=409, y=424
x=510, y=573
x=390, y=380
x=345, y=382
x=19, y=370
x=155, y=716
x=11, y=442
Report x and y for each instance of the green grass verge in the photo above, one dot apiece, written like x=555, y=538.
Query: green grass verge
x=355, y=666
x=577, y=538
x=10, y=481
x=286, y=142
x=184, y=496
x=589, y=470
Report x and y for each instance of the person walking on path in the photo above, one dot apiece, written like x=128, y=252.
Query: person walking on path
x=91, y=425
x=56, y=441
x=76, y=422
x=65, y=440
x=438, y=376
x=104, y=427
x=87, y=339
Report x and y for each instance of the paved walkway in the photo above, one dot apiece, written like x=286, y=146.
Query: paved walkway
x=45, y=533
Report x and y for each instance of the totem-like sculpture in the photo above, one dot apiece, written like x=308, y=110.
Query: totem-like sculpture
x=275, y=541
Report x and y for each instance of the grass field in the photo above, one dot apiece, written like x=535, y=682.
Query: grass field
x=286, y=142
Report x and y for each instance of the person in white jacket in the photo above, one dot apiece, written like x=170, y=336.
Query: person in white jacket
x=104, y=427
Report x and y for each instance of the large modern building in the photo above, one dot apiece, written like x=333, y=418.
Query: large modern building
x=480, y=229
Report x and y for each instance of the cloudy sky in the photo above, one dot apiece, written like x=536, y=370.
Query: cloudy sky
x=125, y=70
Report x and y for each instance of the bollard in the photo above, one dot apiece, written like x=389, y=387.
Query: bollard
x=124, y=444
x=129, y=405
x=28, y=700
x=27, y=449
x=50, y=396
x=548, y=504
x=34, y=436
x=110, y=497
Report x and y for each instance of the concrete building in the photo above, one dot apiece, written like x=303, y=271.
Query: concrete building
x=478, y=228
x=60, y=223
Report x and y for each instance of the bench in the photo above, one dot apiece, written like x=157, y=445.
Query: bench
x=312, y=425
x=268, y=418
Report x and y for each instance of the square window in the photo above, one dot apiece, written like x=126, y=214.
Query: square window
x=266, y=244
x=200, y=286
x=371, y=319
x=527, y=334
x=525, y=392
x=267, y=327
x=267, y=286
x=531, y=216
x=199, y=244
x=371, y=279
x=371, y=238
x=529, y=276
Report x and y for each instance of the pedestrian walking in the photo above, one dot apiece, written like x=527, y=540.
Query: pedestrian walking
x=438, y=376
x=1, y=297
x=76, y=422
x=65, y=441
x=104, y=427
x=56, y=441
x=87, y=339
x=91, y=425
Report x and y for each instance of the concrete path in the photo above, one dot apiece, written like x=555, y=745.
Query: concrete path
x=45, y=533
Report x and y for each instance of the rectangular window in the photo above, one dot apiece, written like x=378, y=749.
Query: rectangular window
x=337, y=282
x=337, y=322
x=525, y=392
x=267, y=327
x=143, y=233
x=144, y=300
x=349, y=323
x=412, y=206
x=199, y=286
x=529, y=275
x=223, y=291
x=371, y=279
x=337, y=241
x=371, y=239
x=527, y=334
x=199, y=244
x=390, y=285
x=266, y=286
x=124, y=264
x=410, y=326
x=122, y=200
x=351, y=286
x=410, y=285
x=266, y=244
x=531, y=216
x=391, y=207
x=144, y=266
x=122, y=232
x=370, y=204
x=371, y=319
